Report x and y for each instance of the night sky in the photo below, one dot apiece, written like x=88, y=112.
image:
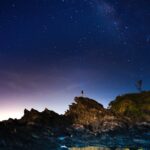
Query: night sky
x=50, y=50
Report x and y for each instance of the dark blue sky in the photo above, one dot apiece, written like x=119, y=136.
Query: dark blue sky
x=52, y=49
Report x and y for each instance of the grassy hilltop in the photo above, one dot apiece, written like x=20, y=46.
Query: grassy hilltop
x=136, y=105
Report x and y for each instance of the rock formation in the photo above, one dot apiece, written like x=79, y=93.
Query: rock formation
x=128, y=115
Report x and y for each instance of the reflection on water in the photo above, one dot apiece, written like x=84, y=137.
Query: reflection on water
x=90, y=148
x=101, y=148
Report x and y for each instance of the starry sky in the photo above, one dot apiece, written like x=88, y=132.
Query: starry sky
x=50, y=50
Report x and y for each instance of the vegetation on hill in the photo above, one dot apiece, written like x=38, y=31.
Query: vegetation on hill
x=136, y=105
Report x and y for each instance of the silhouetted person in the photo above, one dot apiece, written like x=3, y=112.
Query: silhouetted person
x=82, y=93
x=139, y=85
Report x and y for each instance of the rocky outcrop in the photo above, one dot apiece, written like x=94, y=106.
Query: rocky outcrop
x=135, y=106
x=85, y=119
x=45, y=118
x=35, y=130
x=93, y=116
x=84, y=111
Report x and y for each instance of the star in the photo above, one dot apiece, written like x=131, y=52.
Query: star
x=129, y=60
x=13, y=5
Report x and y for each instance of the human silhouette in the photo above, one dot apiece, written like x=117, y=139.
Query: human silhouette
x=82, y=93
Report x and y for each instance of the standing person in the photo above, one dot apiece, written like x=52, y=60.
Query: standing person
x=82, y=93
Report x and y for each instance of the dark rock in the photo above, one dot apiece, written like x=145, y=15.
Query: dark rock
x=86, y=120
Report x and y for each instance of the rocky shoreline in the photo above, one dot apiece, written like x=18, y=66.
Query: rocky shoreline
x=85, y=123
